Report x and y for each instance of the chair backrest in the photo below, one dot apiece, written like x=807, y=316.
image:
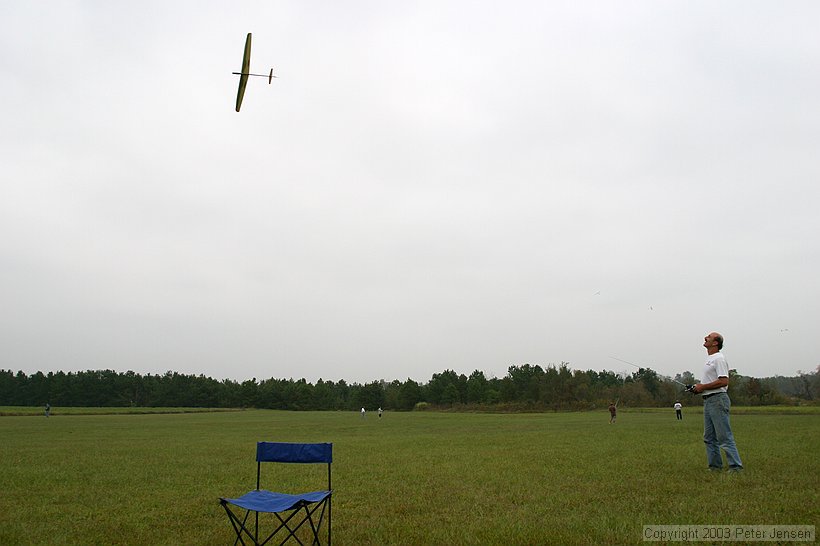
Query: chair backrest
x=283, y=452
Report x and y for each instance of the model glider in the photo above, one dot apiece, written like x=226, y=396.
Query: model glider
x=243, y=76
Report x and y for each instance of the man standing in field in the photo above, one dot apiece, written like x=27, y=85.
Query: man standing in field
x=717, y=433
x=678, y=410
x=612, y=410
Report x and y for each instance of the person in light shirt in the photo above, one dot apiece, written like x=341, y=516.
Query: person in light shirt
x=678, y=410
x=717, y=432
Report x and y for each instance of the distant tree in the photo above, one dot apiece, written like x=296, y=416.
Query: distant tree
x=800, y=386
x=371, y=396
x=687, y=378
x=300, y=395
x=344, y=395
x=554, y=387
x=565, y=395
x=443, y=388
x=650, y=380
x=753, y=391
x=248, y=393
x=582, y=383
x=10, y=389
x=391, y=394
x=527, y=381
x=814, y=384
x=477, y=387
x=323, y=396
x=410, y=393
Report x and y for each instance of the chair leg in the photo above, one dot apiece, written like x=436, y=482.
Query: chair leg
x=316, y=528
x=284, y=524
x=239, y=526
x=313, y=516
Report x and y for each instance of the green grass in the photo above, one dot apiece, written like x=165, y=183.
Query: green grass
x=409, y=478
x=21, y=411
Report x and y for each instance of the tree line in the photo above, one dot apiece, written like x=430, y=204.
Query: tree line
x=525, y=387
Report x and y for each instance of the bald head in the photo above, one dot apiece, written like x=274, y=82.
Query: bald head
x=713, y=342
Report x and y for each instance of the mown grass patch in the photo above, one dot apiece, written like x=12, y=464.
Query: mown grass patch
x=408, y=478
x=23, y=411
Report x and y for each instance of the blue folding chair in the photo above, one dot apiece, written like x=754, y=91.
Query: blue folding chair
x=284, y=506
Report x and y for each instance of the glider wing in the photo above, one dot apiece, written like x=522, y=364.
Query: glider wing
x=243, y=76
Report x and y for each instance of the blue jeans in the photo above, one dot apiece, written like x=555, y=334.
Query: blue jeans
x=717, y=433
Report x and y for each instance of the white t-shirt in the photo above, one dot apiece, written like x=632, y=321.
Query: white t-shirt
x=678, y=405
x=715, y=367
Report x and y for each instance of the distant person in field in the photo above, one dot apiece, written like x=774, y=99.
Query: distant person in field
x=380, y=413
x=679, y=410
x=48, y=409
x=612, y=411
x=717, y=433
x=363, y=412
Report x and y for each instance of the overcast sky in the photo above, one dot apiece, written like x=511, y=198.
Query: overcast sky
x=426, y=186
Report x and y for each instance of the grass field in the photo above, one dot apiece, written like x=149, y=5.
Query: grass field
x=409, y=478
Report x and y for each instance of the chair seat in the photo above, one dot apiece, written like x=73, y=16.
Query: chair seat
x=265, y=501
